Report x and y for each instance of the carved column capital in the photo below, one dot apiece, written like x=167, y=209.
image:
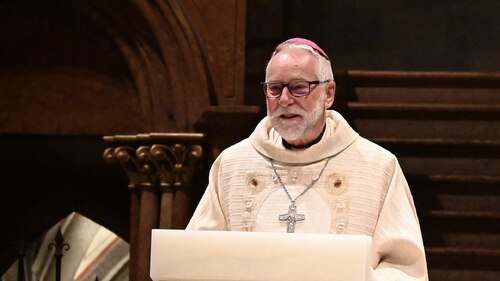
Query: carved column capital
x=166, y=160
x=176, y=164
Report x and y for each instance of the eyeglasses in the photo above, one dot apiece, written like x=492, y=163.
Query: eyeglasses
x=273, y=90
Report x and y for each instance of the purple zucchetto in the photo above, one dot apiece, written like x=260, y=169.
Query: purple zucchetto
x=308, y=43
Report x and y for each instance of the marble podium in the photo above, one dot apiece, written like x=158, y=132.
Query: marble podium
x=257, y=256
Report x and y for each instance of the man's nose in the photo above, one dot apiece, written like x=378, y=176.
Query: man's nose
x=286, y=98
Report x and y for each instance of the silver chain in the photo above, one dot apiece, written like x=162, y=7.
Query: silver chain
x=307, y=188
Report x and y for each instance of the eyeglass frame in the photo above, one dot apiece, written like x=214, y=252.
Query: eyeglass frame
x=313, y=82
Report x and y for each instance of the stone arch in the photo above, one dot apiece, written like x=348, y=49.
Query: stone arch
x=101, y=67
x=163, y=57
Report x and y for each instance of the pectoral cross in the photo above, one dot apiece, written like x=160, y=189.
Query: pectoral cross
x=291, y=218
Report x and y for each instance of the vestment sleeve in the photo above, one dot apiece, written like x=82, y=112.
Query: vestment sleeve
x=208, y=214
x=398, y=250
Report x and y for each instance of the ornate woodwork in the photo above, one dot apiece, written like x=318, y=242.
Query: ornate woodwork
x=160, y=168
x=59, y=247
x=157, y=64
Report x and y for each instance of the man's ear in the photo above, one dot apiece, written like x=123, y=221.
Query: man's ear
x=330, y=94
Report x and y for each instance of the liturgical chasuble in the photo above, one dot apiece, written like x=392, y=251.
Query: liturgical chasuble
x=362, y=190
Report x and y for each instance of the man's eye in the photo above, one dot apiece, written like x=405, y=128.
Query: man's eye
x=299, y=86
x=275, y=88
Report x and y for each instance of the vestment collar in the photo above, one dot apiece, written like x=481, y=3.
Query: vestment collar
x=337, y=137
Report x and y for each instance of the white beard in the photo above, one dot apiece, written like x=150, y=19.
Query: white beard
x=292, y=131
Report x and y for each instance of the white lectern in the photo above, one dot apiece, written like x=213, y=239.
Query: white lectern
x=258, y=256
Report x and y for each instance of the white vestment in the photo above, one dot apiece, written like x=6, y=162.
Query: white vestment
x=361, y=191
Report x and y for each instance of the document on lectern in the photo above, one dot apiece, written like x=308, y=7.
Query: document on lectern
x=187, y=255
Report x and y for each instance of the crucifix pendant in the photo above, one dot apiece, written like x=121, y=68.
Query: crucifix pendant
x=291, y=218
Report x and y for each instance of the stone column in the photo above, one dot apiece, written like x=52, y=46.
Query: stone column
x=160, y=168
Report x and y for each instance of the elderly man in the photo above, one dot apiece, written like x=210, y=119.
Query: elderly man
x=304, y=169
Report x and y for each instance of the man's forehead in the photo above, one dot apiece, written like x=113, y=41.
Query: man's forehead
x=294, y=58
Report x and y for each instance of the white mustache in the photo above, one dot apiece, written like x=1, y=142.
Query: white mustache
x=288, y=110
